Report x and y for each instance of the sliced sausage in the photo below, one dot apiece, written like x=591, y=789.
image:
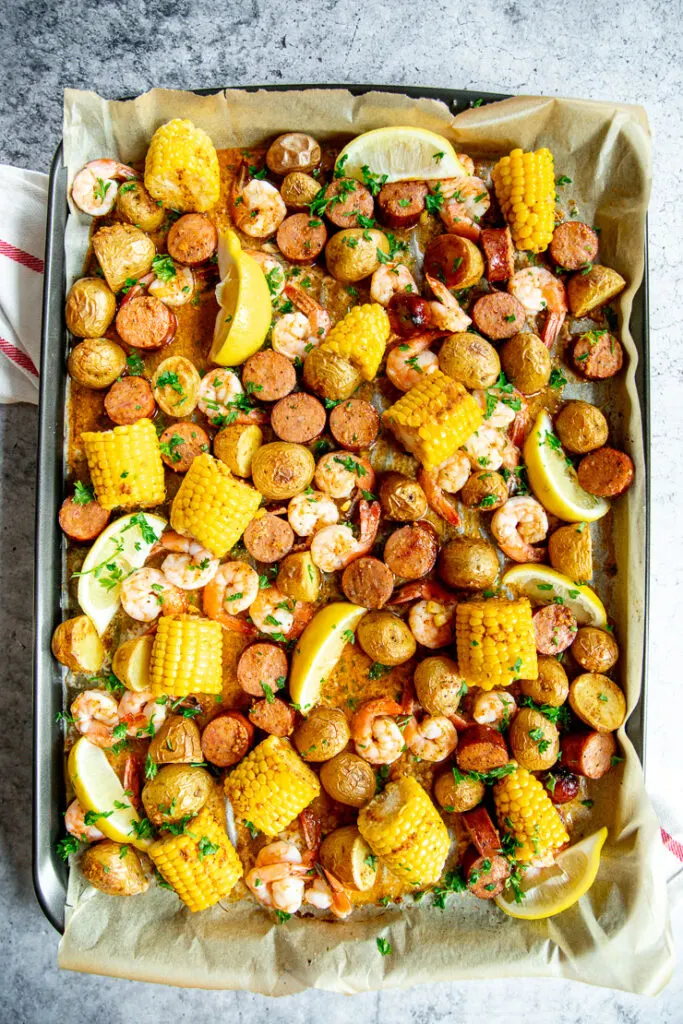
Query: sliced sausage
x=262, y=665
x=411, y=551
x=498, y=315
x=597, y=355
x=269, y=538
x=273, y=716
x=347, y=199
x=482, y=831
x=401, y=203
x=562, y=785
x=181, y=443
x=354, y=424
x=298, y=418
x=145, y=322
x=408, y=314
x=301, y=238
x=129, y=400
x=227, y=738
x=454, y=261
x=499, y=252
x=606, y=472
x=82, y=522
x=480, y=749
x=368, y=582
x=485, y=876
x=294, y=151
x=574, y=245
x=555, y=628
x=268, y=375
x=588, y=753
x=192, y=239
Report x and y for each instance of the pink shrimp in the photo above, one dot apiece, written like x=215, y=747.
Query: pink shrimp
x=466, y=202
x=94, y=187
x=447, y=313
x=538, y=290
x=335, y=547
x=410, y=360
x=451, y=476
x=375, y=731
x=74, y=820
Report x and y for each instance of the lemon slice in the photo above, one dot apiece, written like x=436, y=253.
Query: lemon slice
x=553, y=479
x=98, y=789
x=123, y=546
x=319, y=650
x=540, y=583
x=402, y=153
x=245, y=307
x=560, y=887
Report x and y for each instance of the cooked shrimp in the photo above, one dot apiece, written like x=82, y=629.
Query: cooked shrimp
x=273, y=271
x=517, y=525
x=275, y=613
x=451, y=476
x=94, y=187
x=278, y=877
x=428, y=589
x=233, y=589
x=95, y=713
x=375, y=731
x=258, y=209
x=498, y=407
x=74, y=820
x=190, y=566
x=486, y=448
x=329, y=894
x=467, y=200
x=310, y=511
x=335, y=547
x=410, y=361
x=432, y=622
x=222, y=400
x=295, y=334
x=147, y=593
x=142, y=712
x=175, y=290
x=432, y=739
x=389, y=280
x=493, y=708
x=538, y=290
x=339, y=473
x=447, y=313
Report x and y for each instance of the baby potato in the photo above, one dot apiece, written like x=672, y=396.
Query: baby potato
x=469, y=359
x=236, y=446
x=114, y=868
x=551, y=686
x=76, y=644
x=136, y=205
x=177, y=742
x=581, y=427
x=485, y=490
x=570, y=550
x=299, y=190
x=402, y=498
x=96, y=363
x=322, y=735
x=588, y=291
x=122, y=252
x=597, y=701
x=458, y=796
x=177, y=790
x=348, y=857
x=90, y=308
x=526, y=362
x=439, y=685
x=385, y=638
x=351, y=254
x=468, y=563
x=330, y=375
x=534, y=740
x=596, y=650
x=131, y=662
x=282, y=469
x=348, y=779
x=176, y=385
x=298, y=577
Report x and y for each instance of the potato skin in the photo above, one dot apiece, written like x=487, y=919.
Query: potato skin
x=402, y=498
x=130, y=663
x=597, y=701
x=439, y=685
x=385, y=638
x=122, y=251
x=136, y=205
x=525, y=749
x=469, y=359
x=76, y=644
x=176, y=791
x=299, y=577
x=468, y=563
x=596, y=650
x=299, y=189
x=526, y=361
x=96, y=363
x=552, y=685
x=330, y=375
x=322, y=735
x=114, y=868
x=458, y=796
x=338, y=852
x=351, y=254
x=280, y=470
x=570, y=550
x=581, y=427
x=176, y=742
x=90, y=308
x=588, y=291
x=348, y=779
x=484, y=489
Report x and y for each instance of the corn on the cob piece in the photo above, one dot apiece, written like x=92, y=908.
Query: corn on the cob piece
x=187, y=656
x=271, y=786
x=495, y=641
x=525, y=187
x=404, y=828
x=181, y=168
x=213, y=506
x=201, y=865
x=434, y=418
x=524, y=808
x=360, y=337
x=125, y=465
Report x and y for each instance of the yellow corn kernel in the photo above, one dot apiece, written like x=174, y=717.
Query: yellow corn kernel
x=360, y=337
x=271, y=786
x=524, y=809
x=525, y=187
x=187, y=656
x=213, y=506
x=125, y=465
x=181, y=168
x=495, y=641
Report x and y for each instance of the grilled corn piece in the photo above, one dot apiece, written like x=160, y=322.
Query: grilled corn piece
x=525, y=810
x=404, y=828
x=187, y=656
x=125, y=465
x=213, y=506
x=495, y=641
x=271, y=786
x=181, y=168
x=434, y=418
x=201, y=865
x=360, y=338
x=525, y=187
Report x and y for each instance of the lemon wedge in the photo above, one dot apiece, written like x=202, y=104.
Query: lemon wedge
x=319, y=650
x=244, y=300
x=402, y=153
x=123, y=546
x=540, y=583
x=553, y=479
x=559, y=887
x=99, y=791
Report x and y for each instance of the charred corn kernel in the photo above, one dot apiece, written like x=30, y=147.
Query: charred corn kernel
x=360, y=337
x=271, y=786
x=125, y=465
x=495, y=641
x=525, y=187
x=187, y=656
x=213, y=506
x=200, y=865
x=434, y=418
x=524, y=809
x=181, y=168
x=403, y=827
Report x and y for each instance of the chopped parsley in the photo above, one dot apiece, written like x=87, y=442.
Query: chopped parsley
x=557, y=379
x=384, y=946
x=82, y=495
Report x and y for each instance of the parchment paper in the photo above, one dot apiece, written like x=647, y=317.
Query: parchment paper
x=618, y=935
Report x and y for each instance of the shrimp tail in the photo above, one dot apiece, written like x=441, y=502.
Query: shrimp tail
x=370, y=513
x=551, y=328
x=421, y=589
x=235, y=625
x=437, y=499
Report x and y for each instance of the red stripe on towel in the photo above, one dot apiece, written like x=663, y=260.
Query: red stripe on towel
x=19, y=256
x=17, y=356
x=672, y=845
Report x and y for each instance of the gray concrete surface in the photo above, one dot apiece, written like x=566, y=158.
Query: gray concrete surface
x=611, y=50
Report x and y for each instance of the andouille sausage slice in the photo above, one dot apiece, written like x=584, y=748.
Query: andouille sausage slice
x=262, y=665
x=368, y=582
x=227, y=738
x=82, y=522
x=498, y=315
x=588, y=753
x=485, y=876
x=499, y=252
x=597, y=355
x=301, y=238
x=273, y=716
x=348, y=198
x=408, y=314
x=145, y=322
x=555, y=628
x=129, y=400
x=574, y=245
x=298, y=418
x=181, y=443
x=268, y=375
x=269, y=538
x=400, y=203
x=606, y=472
x=411, y=551
x=192, y=239
x=562, y=785
x=480, y=749
x=354, y=424
x=482, y=831
x=455, y=261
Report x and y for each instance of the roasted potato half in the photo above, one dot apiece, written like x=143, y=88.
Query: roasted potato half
x=136, y=206
x=177, y=742
x=114, y=868
x=348, y=857
x=176, y=385
x=330, y=375
x=570, y=550
x=534, y=740
x=439, y=685
x=237, y=445
x=123, y=252
x=458, y=796
x=597, y=701
x=348, y=779
x=351, y=254
x=470, y=359
x=551, y=686
x=402, y=498
x=588, y=291
x=131, y=662
x=76, y=644
x=298, y=577
x=322, y=735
